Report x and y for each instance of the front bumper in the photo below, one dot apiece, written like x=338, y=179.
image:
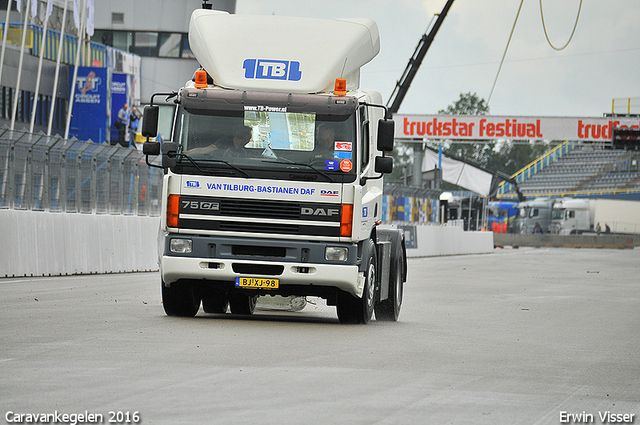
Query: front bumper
x=297, y=264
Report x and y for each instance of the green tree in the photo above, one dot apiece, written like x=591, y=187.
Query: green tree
x=478, y=151
x=402, y=163
x=505, y=156
x=468, y=104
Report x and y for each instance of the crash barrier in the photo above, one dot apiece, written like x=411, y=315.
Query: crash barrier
x=51, y=244
x=433, y=240
x=569, y=241
x=74, y=207
x=49, y=173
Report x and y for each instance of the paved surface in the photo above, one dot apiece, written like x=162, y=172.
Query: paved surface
x=515, y=337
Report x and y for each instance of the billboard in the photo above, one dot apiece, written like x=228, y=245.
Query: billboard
x=119, y=96
x=90, y=104
x=489, y=127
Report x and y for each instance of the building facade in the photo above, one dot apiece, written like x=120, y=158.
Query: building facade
x=157, y=31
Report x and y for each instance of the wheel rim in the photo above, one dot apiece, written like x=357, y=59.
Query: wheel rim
x=371, y=285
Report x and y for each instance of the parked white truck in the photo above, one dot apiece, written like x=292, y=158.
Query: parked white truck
x=532, y=213
x=273, y=175
x=580, y=215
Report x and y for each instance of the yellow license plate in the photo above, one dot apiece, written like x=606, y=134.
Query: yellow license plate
x=257, y=283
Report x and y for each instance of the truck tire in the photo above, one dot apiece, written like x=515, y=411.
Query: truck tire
x=216, y=304
x=242, y=303
x=389, y=309
x=180, y=300
x=355, y=310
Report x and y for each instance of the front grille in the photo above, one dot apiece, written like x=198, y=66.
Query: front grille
x=260, y=209
x=230, y=226
x=276, y=212
x=252, y=227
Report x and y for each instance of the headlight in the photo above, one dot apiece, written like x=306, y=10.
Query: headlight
x=181, y=246
x=336, y=253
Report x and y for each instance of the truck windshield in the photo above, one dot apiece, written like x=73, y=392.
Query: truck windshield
x=523, y=212
x=267, y=144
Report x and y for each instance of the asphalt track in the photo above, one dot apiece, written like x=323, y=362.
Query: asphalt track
x=526, y=336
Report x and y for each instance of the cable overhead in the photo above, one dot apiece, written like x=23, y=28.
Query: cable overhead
x=505, y=52
x=544, y=27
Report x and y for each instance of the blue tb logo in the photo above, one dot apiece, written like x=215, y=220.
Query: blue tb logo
x=272, y=69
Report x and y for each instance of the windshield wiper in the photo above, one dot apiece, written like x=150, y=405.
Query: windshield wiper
x=182, y=155
x=302, y=164
x=192, y=161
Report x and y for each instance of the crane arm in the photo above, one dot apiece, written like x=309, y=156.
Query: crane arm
x=402, y=86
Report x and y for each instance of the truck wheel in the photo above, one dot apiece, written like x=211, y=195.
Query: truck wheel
x=216, y=304
x=242, y=303
x=389, y=309
x=360, y=310
x=180, y=300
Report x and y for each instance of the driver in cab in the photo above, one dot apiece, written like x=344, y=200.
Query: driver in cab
x=325, y=143
x=228, y=147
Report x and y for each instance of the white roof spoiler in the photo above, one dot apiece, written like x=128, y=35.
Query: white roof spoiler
x=281, y=53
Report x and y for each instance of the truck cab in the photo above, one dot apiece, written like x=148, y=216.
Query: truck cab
x=532, y=212
x=273, y=178
x=571, y=216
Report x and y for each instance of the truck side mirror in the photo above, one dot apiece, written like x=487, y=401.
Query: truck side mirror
x=385, y=135
x=150, y=121
x=169, y=150
x=384, y=164
x=151, y=148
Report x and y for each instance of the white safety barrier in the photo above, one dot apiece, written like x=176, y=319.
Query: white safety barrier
x=49, y=244
x=430, y=241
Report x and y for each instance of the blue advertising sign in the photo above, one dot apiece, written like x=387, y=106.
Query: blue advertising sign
x=90, y=103
x=118, y=99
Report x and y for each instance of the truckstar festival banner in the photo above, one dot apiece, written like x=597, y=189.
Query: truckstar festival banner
x=489, y=127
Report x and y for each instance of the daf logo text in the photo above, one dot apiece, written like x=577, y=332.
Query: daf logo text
x=326, y=212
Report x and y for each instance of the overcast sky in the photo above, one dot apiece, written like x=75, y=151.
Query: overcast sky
x=601, y=63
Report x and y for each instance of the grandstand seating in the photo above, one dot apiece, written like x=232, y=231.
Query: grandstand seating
x=586, y=170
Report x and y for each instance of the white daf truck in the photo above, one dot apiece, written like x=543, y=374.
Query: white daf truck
x=273, y=175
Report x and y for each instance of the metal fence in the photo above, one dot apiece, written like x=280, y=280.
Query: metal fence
x=49, y=173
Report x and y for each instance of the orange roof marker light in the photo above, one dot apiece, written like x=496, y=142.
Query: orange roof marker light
x=201, y=79
x=340, y=88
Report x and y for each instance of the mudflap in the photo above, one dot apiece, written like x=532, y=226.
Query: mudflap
x=391, y=246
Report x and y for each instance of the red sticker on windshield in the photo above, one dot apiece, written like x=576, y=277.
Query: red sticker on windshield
x=343, y=146
x=346, y=165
